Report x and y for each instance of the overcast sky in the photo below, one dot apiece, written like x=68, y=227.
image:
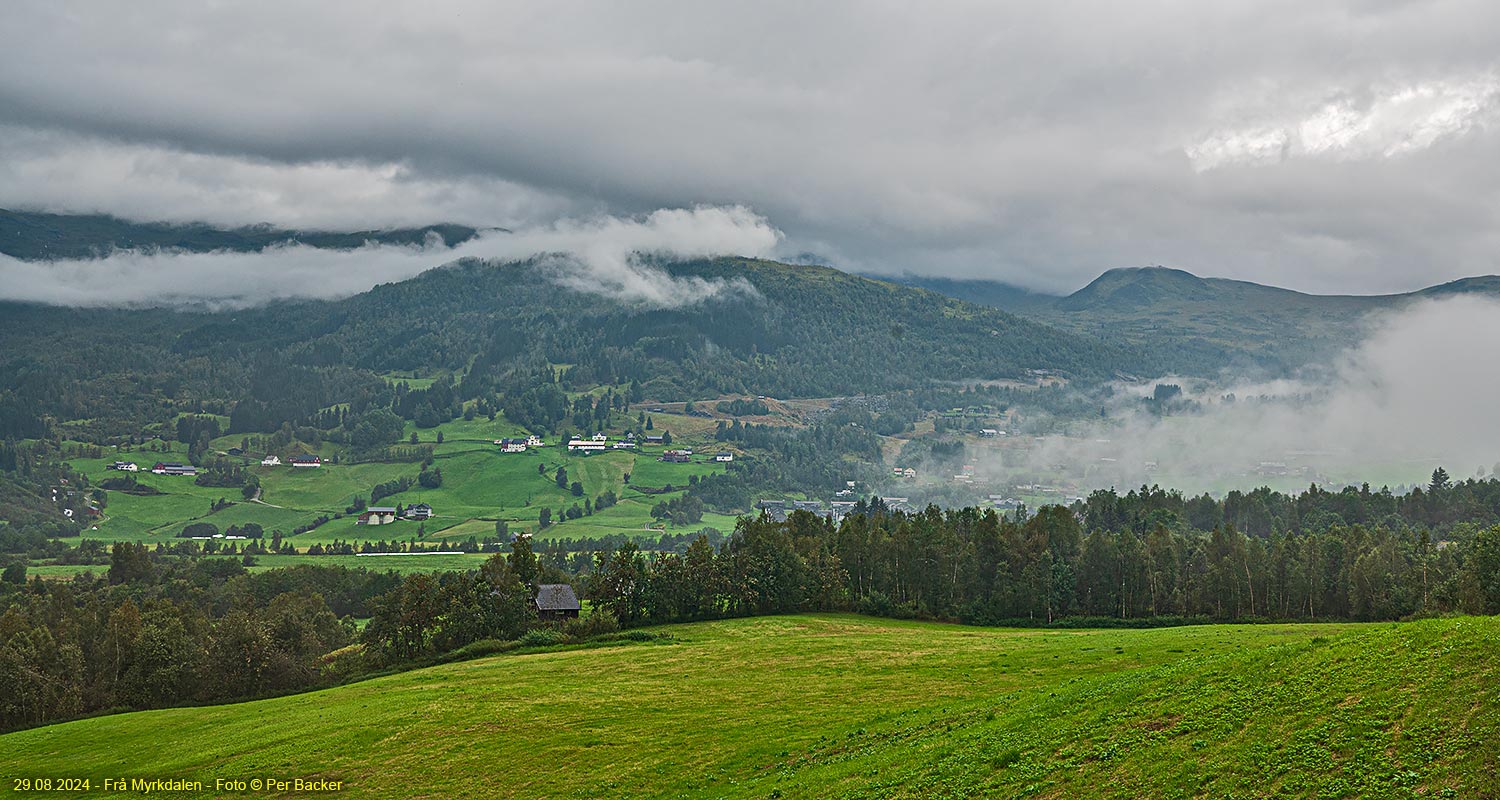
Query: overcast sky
x=1328, y=146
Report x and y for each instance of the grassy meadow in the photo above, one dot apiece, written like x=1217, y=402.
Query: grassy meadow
x=845, y=706
x=480, y=486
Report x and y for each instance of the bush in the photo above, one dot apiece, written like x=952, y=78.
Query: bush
x=345, y=663
x=541, y=637
x=597, y=623
x=480, y=648
x=199, y=529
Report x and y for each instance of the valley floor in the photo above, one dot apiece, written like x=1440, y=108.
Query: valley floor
x=847, y=706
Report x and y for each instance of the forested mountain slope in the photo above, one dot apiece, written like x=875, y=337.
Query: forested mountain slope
x=797, y=331
x=1203, y=325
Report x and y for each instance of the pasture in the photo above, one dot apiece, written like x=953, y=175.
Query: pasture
x=844, y=706
x=480, y=487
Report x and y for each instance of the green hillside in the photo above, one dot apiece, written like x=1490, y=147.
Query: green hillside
x=1201, y=325
x=481, y=485
x=838, y=706
x=797, y=332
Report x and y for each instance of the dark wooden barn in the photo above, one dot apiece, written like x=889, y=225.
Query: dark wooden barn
x=555, y=602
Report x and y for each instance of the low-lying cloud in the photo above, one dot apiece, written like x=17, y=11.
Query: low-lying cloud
x=601, y=255
x=1417, y=393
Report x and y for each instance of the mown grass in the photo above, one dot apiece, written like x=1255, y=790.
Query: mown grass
x=841, y=706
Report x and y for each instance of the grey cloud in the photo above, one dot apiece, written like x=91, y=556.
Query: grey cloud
x=1038, y=144
x=600, y=255
x=1404, y=401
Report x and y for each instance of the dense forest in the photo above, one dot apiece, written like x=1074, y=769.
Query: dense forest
x=155, y=630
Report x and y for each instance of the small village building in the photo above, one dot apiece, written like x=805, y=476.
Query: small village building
x=125, y=466
x=512, y=445
x=307, y=461
x=377, y=515
x=270, y=461
x=587, y=446
x=173, y=468
x=533, y=441
x=418, y=511
x=654, y=439
x=556, y=602
x=677, y=456
x=723, y=458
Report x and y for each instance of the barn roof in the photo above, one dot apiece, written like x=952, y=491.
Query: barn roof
x=556, y=597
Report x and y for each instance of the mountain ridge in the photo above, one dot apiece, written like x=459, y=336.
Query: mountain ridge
x=39, y=236
x=1205, y=325
x=804, y=332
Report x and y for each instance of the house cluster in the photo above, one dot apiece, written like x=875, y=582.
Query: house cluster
x=600, y=442
x=990, y=433
x=597, y=443
x=304, y=462
x=125, y=466
x=903, y=472
x=966, y=475
x=173, y=468
x=723, y=458
x=677, y=456
x=518, y=445
x=385, y=515
x=65, y=495
x=779, y=510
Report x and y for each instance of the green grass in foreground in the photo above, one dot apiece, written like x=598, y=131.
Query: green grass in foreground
x=841, y=706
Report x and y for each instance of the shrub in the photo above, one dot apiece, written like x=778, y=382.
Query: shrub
x=597, y=623
x=541, y=637
x=198, y=529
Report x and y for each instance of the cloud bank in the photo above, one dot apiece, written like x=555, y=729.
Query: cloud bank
x=1336, y=147
x=602, y=255
x=1417, y=393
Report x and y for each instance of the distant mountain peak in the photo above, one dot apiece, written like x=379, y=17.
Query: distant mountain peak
x=1137, y=287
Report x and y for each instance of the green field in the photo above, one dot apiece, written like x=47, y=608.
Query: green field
x=480, y=486
x=843, y=706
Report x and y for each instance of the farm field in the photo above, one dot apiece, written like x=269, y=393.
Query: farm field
x=480, y=486
x=845, y=706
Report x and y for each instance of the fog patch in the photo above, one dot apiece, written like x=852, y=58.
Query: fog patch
x=607, y=256
x=1416, y=393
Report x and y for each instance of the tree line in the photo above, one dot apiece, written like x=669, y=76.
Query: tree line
x=977, y=566
x=154, y=631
